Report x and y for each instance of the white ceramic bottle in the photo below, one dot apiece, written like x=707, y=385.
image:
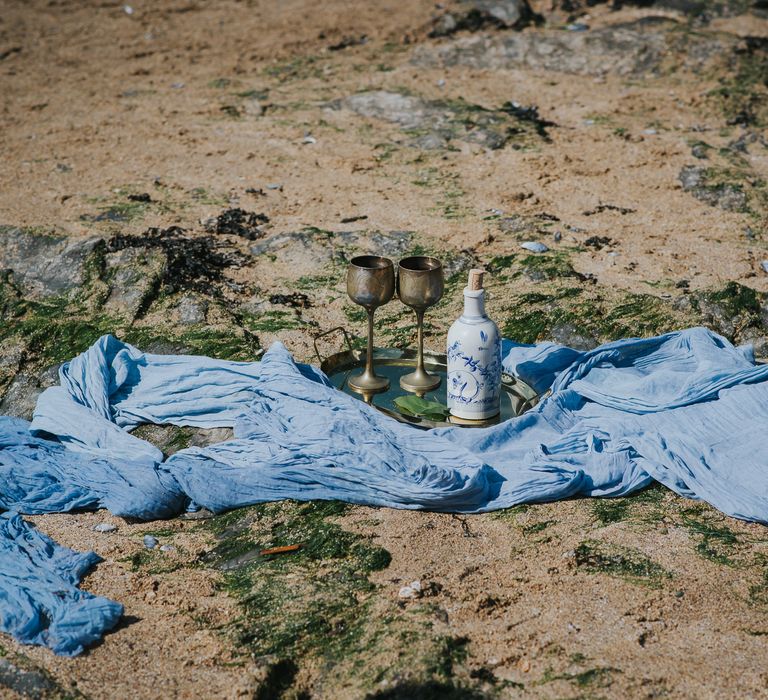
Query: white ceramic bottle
x=474, y=358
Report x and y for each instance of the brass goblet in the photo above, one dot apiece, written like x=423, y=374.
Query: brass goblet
x=370, y=283
x=420, y=285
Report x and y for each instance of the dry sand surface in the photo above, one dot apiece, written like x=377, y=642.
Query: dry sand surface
x=635, y=150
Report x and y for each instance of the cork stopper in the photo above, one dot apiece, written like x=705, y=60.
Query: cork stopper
x=475, y=280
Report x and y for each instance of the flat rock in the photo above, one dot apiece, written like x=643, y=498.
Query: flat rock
x=407, y=111
x=44, y=265
x=567, y=334
x=27, y=683
x=433, y=124
x=192, y=310
x=12, y=354
x=735, y=311
x=21, y=396
x=632, y=48
x=507, y=13
x=697, y=181
x=171, y=438
x=757, y=339
x=391, y=244
x=132, y=274
x=316, y=246
x=473, y=15
x=297, y=247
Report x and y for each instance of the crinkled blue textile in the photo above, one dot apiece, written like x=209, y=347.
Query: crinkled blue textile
x=687, y=409
x=39, y=599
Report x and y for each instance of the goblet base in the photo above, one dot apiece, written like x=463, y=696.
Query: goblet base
x=419, y=382
x=368, y=383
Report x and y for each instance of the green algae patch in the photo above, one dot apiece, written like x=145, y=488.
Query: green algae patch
x=645, y=506
x=317, y=607
x=57, y=329
x=552, y=265
x=735, y=300
x=510, y=514
x=732, y=310
x=49, y=330
x=535, y=528
x=758, y=592
x=548, y=266
x=450, y=196
x=536, y=316
x=600, y=677
x=311, y=602
x=590, y=315
x=610, y=510
x=273, y=321
x=236, y=343
x=715, y=540
x=155, y=561
x=626, y=563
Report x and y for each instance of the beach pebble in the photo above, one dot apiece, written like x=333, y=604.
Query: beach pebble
x=534, y=246
x=150, y=542
x=105, y=527
x=167, y=548
x=412, y=590
x=558, y=236
x=764, y=265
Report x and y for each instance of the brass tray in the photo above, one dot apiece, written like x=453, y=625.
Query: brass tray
x=516, y=396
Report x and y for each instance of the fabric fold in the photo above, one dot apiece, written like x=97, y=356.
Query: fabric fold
x=39, y=598
x=687, y=409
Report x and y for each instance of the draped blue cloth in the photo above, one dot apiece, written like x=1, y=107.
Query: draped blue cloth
x=687, y=409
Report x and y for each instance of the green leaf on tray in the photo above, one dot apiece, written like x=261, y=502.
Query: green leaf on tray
x=416, y=406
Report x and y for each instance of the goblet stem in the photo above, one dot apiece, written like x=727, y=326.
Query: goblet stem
x=369, y=354
x=420, y=340
x=368, y=382
x=419, y=381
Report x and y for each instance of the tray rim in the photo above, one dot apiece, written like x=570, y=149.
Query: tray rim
x=347, y=360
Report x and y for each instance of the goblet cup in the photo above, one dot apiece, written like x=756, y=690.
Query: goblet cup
x=370, y=283
x=420, y=285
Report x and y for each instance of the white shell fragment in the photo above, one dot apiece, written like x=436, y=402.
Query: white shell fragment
x=534, y=246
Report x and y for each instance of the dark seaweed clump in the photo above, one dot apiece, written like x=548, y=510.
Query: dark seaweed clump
x=238, y=222
x=193, y=263
x=296, y=300
x=530, y=115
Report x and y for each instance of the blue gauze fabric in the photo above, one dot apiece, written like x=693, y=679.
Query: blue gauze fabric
x=687, y=409
x=39, y=599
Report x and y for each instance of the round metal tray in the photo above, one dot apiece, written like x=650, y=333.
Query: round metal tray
x=516, y=396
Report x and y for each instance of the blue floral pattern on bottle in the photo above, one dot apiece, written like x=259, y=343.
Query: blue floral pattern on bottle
x=476, y=382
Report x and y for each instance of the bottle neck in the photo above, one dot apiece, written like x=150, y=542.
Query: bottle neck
x=474, y=303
